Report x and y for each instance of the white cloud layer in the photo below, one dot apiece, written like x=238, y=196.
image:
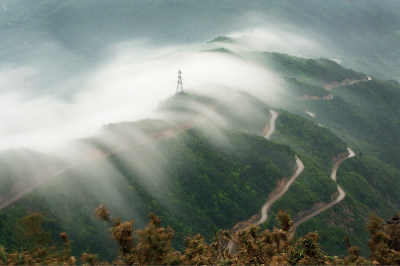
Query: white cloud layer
x=128, y=85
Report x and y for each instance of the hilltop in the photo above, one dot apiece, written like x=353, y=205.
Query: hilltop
x=203, y=163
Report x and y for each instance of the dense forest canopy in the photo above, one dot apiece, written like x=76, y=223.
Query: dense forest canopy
x=282, y=148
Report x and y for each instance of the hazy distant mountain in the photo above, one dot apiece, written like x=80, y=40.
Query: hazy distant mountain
x=363, y=34
x=206, y=159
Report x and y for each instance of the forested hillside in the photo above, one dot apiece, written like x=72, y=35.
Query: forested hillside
x=363, y=113
x=195, y=186
x=204, y=161
x=200, y=173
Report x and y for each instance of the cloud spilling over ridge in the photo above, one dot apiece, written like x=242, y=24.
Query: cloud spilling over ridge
x=276, y=40
x=127, y=85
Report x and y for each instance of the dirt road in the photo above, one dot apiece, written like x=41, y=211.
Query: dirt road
x=313, y=115
x=341, y=196
x=271, y=129
x=346, y=82
x=268, y=204
x=330, y=86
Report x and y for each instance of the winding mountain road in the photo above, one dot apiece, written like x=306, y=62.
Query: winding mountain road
x=341, y=196
x=313, y=115
x=300, y=167
x=330, y=86
x=268, y=204
x=191, y=124
x=346, y=82
x=335, y=167
x=271, y=129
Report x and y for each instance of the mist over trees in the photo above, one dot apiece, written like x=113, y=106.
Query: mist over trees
x=91, y=115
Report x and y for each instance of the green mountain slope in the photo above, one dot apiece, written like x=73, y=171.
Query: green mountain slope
x=203, y=164
x=191, y=183
x=362, y=112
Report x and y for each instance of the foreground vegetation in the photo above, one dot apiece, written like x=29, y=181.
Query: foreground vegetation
x=219, y=170
x=153, y=245
x=194, y=186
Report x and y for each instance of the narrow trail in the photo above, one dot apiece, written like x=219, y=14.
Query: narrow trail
x=300, y=166
x=341, y=196
x=271, y=129
x=335, y=167
x=315, y=98
x=313, y=115
x=268, y=204
x=36, y=185
x=330, y=86
x=346, y=82
x=151, y=138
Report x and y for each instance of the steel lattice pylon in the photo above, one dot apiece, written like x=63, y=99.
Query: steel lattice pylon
x=179, y=87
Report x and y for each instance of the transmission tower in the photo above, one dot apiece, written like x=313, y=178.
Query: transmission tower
x=179, y=87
